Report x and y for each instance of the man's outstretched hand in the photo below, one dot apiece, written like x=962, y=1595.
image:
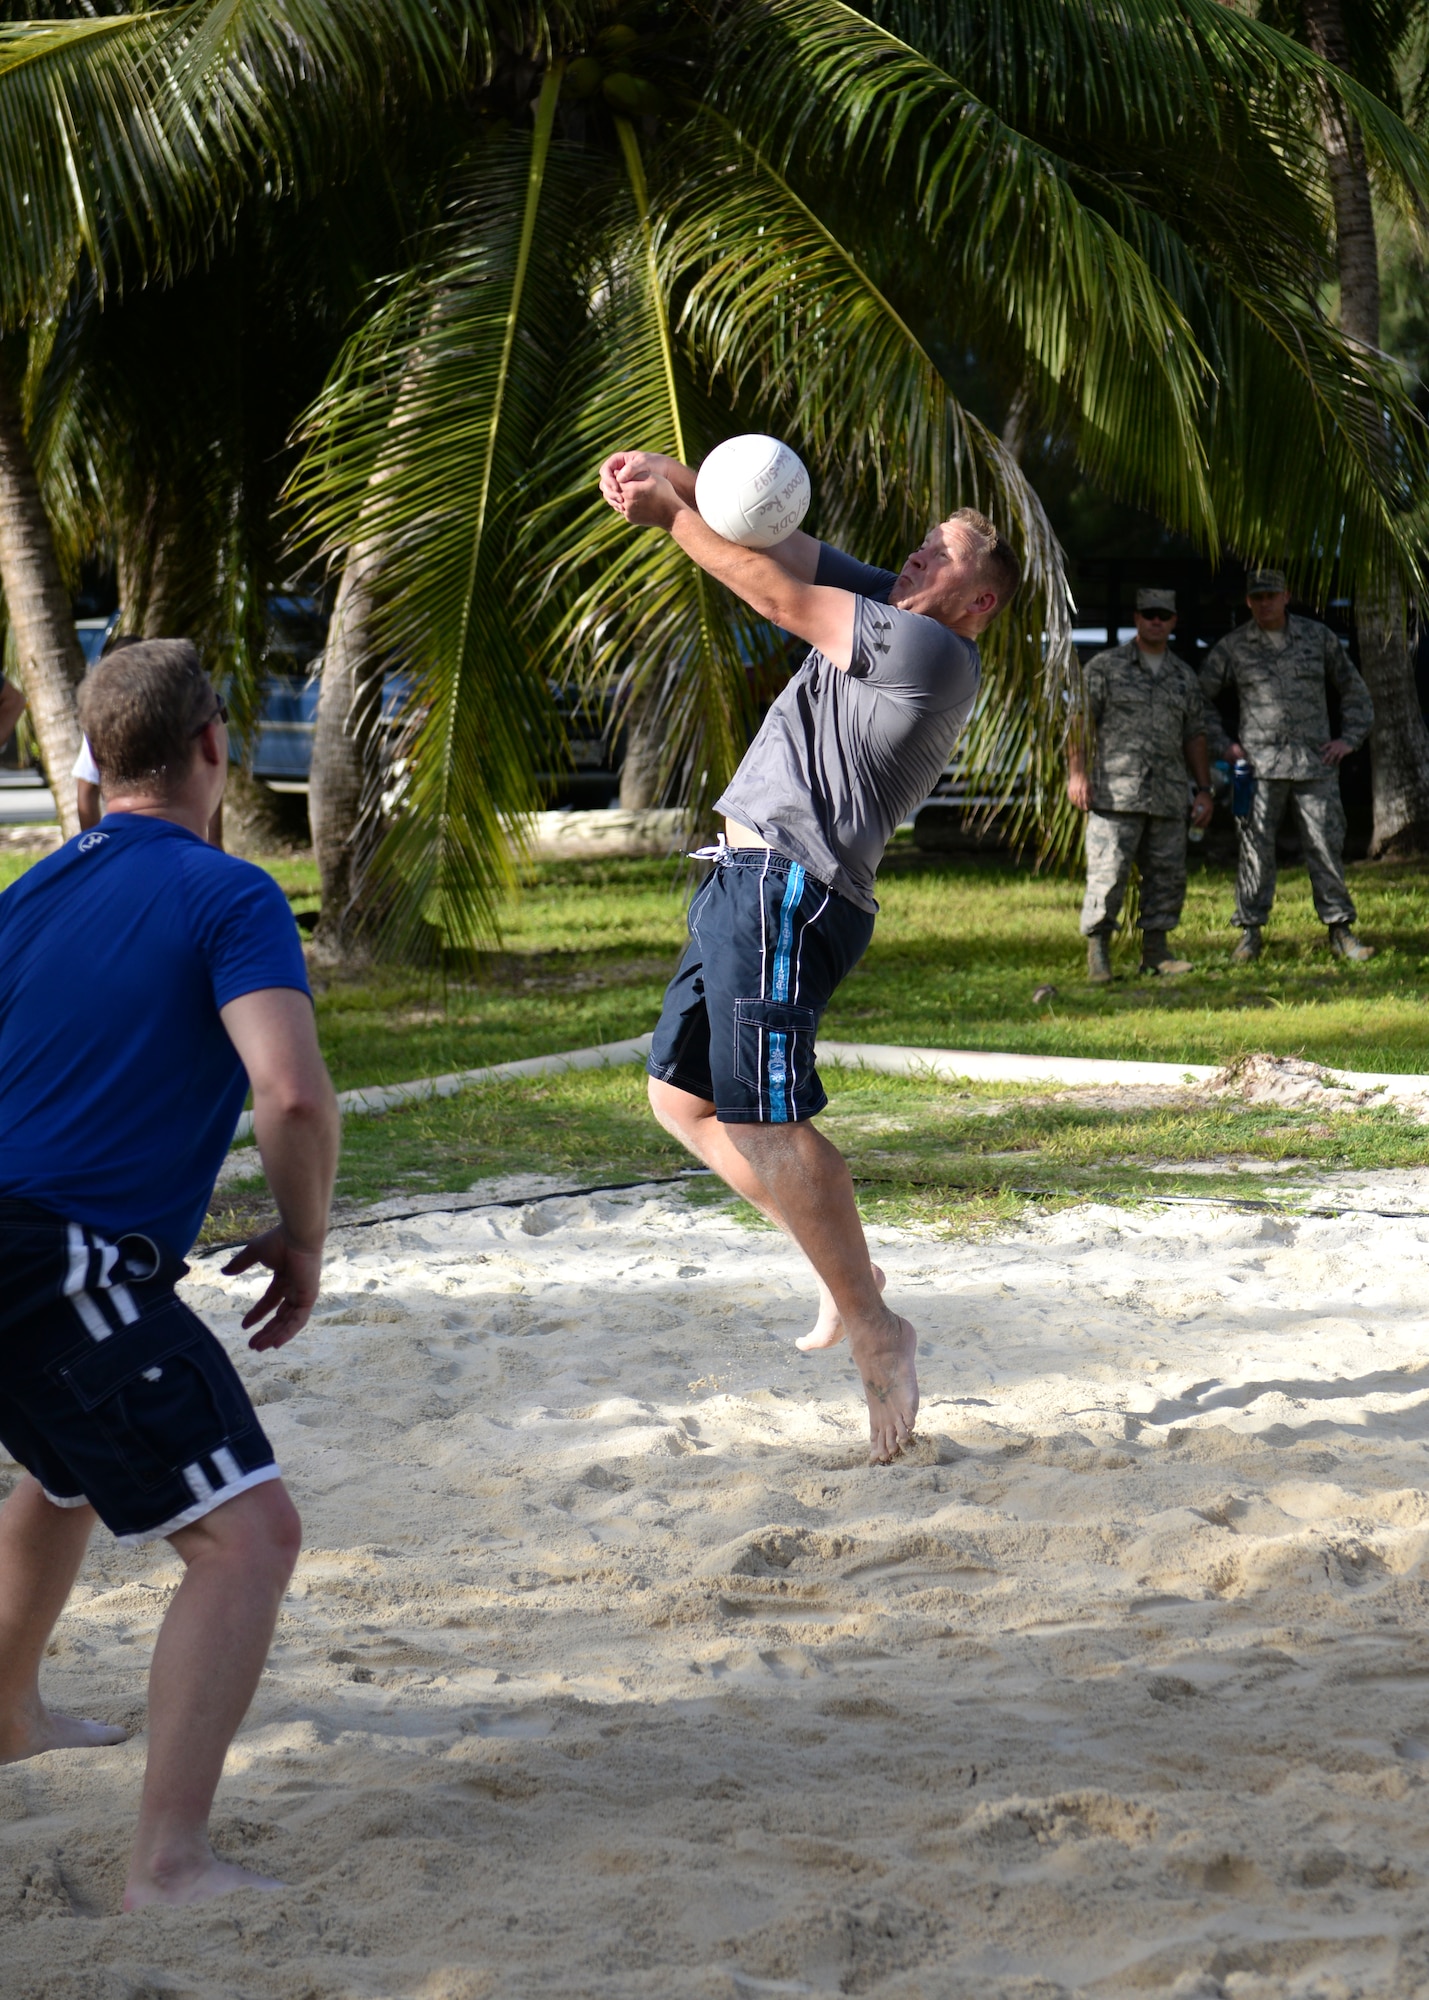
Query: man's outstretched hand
x=285, y=1306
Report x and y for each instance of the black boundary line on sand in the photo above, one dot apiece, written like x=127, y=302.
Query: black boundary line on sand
x=460, y=1207
x=1246, y=1204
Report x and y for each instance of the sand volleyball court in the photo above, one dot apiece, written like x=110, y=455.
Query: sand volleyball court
x=611, y=1670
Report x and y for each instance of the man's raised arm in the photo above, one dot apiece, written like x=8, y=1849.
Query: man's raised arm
x=783, y=591
x=296, y=1124
x=798, y=553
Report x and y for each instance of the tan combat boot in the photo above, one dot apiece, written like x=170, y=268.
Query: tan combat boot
x=1098, y=962
x=1344, y=944
x=1156, y=956
x=1249, y=946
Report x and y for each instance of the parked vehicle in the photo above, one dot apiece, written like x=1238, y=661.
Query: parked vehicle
x=95, y=634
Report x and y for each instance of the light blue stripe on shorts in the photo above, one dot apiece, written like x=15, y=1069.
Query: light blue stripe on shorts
x=779, y=990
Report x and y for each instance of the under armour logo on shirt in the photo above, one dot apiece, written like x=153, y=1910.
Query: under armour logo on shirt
x=880, y=644
x=91, y=840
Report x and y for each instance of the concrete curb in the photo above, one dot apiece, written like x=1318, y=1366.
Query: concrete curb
x=889, y=1059
x=379, y=1097
x=979, y=1066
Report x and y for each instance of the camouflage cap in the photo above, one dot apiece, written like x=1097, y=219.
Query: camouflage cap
x=1151, y=597
x=1264, y=580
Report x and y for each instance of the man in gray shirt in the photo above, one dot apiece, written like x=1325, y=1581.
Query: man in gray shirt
x=852, y=744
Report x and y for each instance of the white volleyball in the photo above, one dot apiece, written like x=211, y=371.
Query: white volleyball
x=753, y=490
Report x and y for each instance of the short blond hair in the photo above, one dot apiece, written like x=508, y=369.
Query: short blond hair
x=1000, y=565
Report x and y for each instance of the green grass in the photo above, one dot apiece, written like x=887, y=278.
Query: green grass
x=950, y=1156
x=959, y=950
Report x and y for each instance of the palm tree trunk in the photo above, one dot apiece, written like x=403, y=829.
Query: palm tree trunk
x=342, y=782
x=51, y=665
x=147, y=570
x=1399, y=744
x=161, y=619
x=134, y=564
x=1017, y=424
x=1356, y=246
x=640, y=773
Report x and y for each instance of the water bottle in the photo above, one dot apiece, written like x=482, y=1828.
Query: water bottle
x=1242, y=788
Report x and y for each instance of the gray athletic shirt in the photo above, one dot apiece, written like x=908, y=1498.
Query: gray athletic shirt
x=842, y=758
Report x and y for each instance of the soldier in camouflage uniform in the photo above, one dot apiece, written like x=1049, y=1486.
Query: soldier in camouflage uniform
x=1278, y=666
x=1150, y=724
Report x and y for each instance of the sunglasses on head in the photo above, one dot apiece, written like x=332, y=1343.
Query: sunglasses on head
x=220, y=714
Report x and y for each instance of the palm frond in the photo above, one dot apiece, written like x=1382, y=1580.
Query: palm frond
x=1032, y=265
x=879, y=99
x=415, y=452
x=632, y=614
x=1322, y=459
x=131, y=139
x=296, y=88
x=810, y=343
x=1164, y=71
x=88, y=149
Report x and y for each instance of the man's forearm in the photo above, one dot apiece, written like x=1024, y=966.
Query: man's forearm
x=297, y=1141
x=755, y=575
x=797, y=555
x=681, y=477
x=1198, y=757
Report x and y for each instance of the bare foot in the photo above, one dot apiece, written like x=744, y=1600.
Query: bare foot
x=197, y=1882
x=35, y=1734
x=884, y=1356
x=828, y=1328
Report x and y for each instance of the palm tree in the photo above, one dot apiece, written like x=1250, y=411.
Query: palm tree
x=1075, y=190
x=662, y=223
x=1370, y=42
x=61, y=78
x=161, y=418
x=151, y=422
x=48, y=663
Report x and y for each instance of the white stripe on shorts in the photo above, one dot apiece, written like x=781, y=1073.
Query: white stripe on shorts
x=95, y=1324
x=225, y=1463
x=198, y=1483
x=202, y=1507
x=78, y=1259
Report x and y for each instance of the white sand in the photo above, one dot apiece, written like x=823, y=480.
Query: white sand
x=611, y=1670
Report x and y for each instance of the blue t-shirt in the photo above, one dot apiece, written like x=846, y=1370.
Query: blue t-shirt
x=119, y=1087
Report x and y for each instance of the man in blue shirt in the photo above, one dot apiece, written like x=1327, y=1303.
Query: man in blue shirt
x=147, y=980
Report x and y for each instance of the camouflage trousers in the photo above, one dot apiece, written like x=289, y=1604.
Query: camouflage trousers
x=1157, y=846
x=1320, y=818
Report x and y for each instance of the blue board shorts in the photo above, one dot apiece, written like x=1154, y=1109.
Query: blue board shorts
x=768, y=945
x=111, y=1390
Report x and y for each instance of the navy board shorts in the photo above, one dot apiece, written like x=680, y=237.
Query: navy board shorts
x=768, y=945
x=112, y=1391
